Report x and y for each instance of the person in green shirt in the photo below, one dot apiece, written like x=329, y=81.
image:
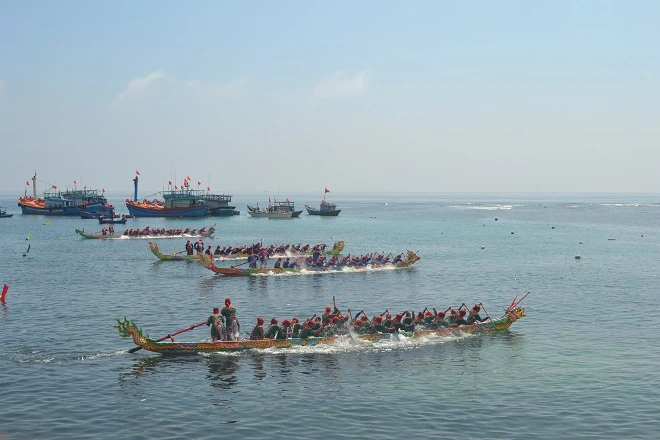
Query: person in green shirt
x=273, y=330
x=258, y=330
x=408, y=322
x=286, y=330
x=440, y=320
x=307, y=331
x=377, y=325
x=296, y=328
x=227, y=311
x=212, y=323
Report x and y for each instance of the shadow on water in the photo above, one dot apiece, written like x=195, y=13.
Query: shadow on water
x=222, y=371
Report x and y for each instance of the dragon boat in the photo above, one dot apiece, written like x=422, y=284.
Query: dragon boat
x=143, y=341
x=181, y=256
x=192, y=234
x=411, y=258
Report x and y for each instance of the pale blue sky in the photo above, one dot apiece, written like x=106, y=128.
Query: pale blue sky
x=464, y=96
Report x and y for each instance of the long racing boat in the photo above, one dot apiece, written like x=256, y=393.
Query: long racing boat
x=180, y=256
x=143, y=341
x=152, y=234
x=208, y=263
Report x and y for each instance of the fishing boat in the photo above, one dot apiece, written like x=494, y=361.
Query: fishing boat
x=275, y=209
x=68, y=202
x=176, y=203
x=168, y=345
x=411, y=259
x=150, y=234
x=326, y=209
x=3, y=213
x=218, y=204
x=181, y=256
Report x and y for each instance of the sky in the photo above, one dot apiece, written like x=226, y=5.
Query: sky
x=368, y=96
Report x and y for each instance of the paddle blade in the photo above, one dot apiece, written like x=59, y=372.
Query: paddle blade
x=4, y=293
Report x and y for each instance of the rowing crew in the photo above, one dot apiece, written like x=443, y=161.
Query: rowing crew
x=333, y=323
x=162, y=231
x=257, y=249
x=335, y=262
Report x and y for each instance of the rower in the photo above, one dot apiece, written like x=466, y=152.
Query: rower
x=296, y=328
x=286, y=330
x=278, y=264
x=212, y=321
x=258, y=330
x=273, y=330
x=474, y=315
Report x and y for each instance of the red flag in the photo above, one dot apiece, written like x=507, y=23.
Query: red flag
x=137, y=172
x=327, y=190
x=102, y=189
x=54, y=187
x=176, y=187
x=188, y=178
x=268, y=199
x=199, y=183
x=169, y=182
x=75, y=183
x=208, y=188
x=85, y=187
x=287, y=200
x=27, y=183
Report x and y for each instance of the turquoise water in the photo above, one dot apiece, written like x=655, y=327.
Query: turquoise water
x=585, y=362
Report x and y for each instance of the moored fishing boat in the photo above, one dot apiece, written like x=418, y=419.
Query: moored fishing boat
x=3, y=213
x=68, y=202
x=150, y=234
x=275, y=210
x=326, y=209
x=143, y=341
x=301, y=267
x=176, y=203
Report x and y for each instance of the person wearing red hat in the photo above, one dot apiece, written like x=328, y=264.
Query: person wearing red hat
x=460, y=320
x=258, y=330
x=189, y=248
x=440, y=320
x=297, y=327
x=474, y=315
x=307, y=331
x=325, y=318
x=273, y=330
x=227, y=311
x=377, y=325
x=408, y=322
x=453, y=316
x=286, y=330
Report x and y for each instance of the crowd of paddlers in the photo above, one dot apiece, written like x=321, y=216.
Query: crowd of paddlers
x=225, y=326
x=258, y=249
x=147, y=231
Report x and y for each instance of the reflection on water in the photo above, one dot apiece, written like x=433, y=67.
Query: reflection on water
x=222, y=371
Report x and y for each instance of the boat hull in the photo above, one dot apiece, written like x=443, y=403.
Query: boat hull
x=173, y=347
x=263, y=214
x=94, y=235
x=236, y=271
x=60, y=210
x=312, y=211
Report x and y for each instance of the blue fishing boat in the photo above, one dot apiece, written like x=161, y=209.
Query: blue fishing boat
x=327, y=209
x=69, y=202
x=176, y=203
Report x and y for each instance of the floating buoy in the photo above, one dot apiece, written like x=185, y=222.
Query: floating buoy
x=495, y=218
x=483, y=247
x=578, y=257
x=511, y=233
x=553, y=227
x=580, y=242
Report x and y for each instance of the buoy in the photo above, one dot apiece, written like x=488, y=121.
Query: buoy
x=578, y=257
x=512, y=233
x=483, y=247
x=495, y=218
x=4, y=293
x=553, y=227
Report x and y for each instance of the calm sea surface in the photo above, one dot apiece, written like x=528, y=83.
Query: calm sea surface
x=585, y=362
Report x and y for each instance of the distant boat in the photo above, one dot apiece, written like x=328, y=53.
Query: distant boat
x=3, y=213
x=275, y=210
x=327, y=209
x=68, y=202
x=219, y=205
x=177, y=203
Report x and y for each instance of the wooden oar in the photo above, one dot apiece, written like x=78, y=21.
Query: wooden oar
x=482, y=306
x=134, y=349
x=240, y=264
x=516, y=305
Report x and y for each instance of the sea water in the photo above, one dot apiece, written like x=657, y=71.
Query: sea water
x=584, y=362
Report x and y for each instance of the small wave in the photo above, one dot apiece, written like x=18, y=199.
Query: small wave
x=485, y=208
x=305, y=272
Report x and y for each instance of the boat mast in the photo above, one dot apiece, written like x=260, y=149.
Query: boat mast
x=135, y=184
x=34, y=185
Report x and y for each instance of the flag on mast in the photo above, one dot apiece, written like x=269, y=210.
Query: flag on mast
x=327, y=190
